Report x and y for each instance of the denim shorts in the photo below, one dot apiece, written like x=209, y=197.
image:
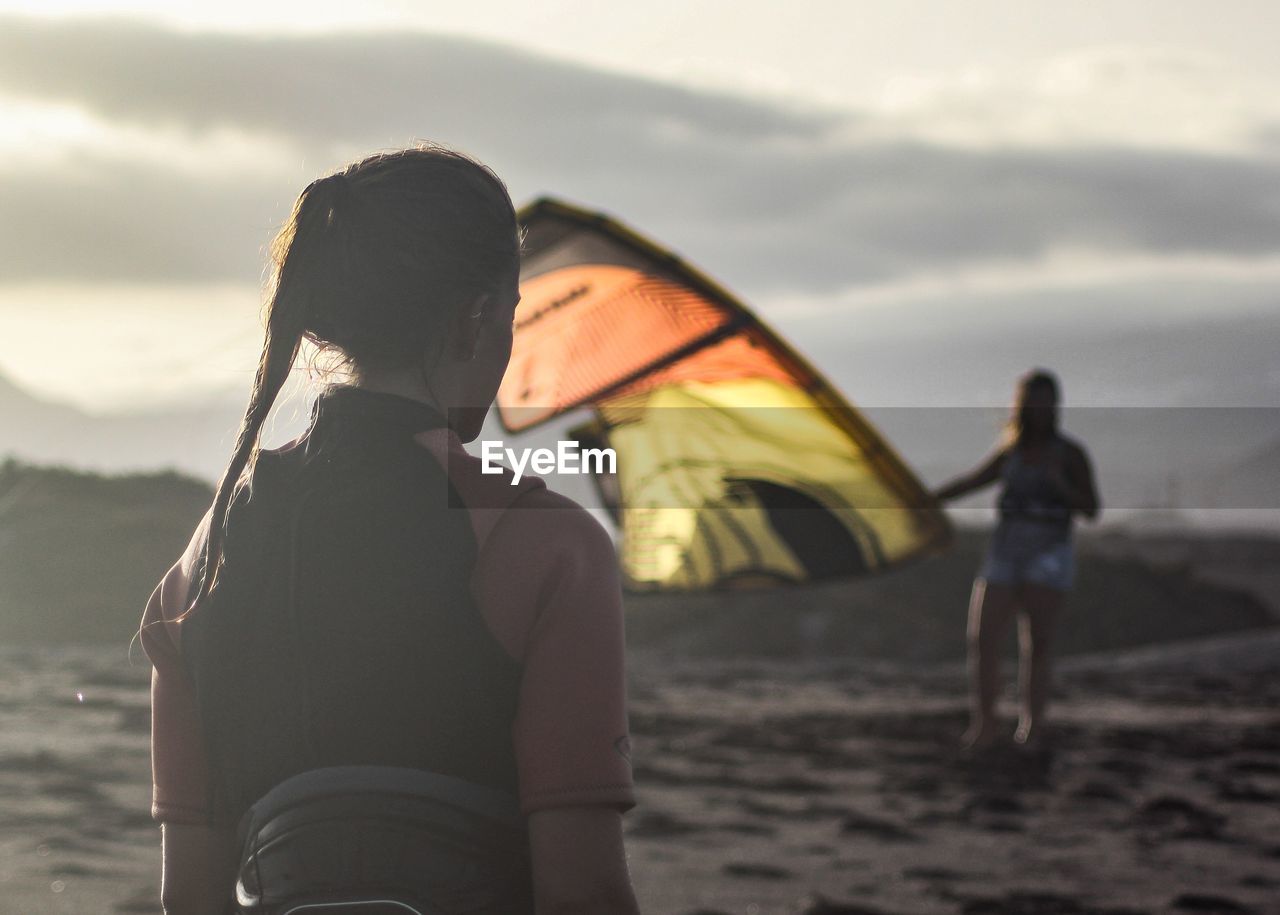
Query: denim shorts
x=1029, y=553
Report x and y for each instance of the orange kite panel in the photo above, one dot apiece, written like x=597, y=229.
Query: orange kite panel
x=622, y=323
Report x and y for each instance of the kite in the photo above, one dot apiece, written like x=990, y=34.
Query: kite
x=738, y=464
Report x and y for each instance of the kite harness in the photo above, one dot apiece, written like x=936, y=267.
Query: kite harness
x=381, y=840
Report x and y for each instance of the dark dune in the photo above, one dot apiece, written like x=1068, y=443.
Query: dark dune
x=1126, y=595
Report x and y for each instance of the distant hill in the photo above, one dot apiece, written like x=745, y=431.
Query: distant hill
x=917, y=613
x=80, y=553
x=194, y=439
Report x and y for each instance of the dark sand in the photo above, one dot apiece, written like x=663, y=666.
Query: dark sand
x=767, y=787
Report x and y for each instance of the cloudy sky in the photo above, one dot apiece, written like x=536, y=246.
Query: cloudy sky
x=1007, y=182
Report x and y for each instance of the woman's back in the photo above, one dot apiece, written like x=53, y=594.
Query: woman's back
x=343, y=630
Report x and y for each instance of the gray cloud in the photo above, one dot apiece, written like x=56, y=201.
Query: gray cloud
x=761, y=195
x=877, y=212
x=95, y=219
x=356, y=87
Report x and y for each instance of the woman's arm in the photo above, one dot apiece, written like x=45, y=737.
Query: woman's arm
x=199, y=869
x=547, y=584
x=985, y=474
x=197, y=861
x=579, y=865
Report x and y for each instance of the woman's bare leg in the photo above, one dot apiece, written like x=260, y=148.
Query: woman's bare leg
x=1035, y=658
x=991, y=608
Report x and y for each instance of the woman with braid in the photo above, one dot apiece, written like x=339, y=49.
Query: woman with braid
x=384, y=681
x=1046, y=480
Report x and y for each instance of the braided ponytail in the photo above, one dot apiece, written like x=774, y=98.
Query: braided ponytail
x=308, y=259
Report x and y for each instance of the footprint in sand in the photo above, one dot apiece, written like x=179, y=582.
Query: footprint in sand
x=1037, y=904
x=1098, y=790
x=1218, y=905
x=756, y=871
x=657, y=824
x=820, y=905
x=885, y=830
x=1172, y=817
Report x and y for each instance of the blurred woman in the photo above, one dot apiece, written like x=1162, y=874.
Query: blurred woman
x=1047, y=480
x=367, y=626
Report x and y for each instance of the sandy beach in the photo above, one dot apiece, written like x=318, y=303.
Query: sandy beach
x=781, y=787
x=825, y=310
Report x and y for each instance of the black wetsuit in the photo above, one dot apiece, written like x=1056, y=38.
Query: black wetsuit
x=342, y=630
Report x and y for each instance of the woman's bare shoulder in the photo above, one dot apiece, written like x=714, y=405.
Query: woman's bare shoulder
x=557, y=520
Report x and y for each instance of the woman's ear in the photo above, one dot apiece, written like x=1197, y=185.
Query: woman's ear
x=466, y=329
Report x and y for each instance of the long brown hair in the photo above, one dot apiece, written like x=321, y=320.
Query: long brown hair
x=372, y=264
x=1015, y=431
